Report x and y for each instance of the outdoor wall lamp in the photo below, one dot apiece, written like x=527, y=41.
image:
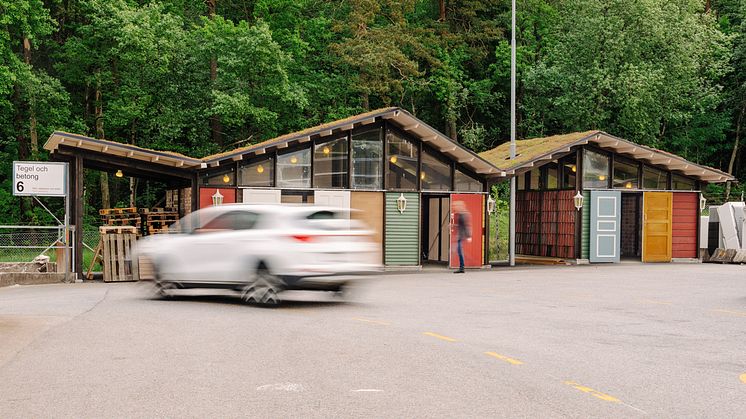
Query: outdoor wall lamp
x=260, y=169
x=217, y=198
x=490, y=205
x=119, y=173
x=578, y=200
x=401, y=203
x=226, y=179
x=702, y=202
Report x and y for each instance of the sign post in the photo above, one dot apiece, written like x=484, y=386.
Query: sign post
x=35, y=179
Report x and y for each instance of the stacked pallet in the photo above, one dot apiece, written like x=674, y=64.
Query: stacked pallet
x=157, y=220
x=120, y=217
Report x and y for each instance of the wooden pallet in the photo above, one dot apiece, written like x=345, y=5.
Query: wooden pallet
x=117, y=255
x=155, y=210
x=110, y=211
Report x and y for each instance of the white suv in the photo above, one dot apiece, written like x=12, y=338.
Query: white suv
x=258, y=250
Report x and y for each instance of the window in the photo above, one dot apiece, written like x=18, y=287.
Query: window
x=259, y=173
x=653, y=178
x=234, y=220
x=294, y=169
x=466, y=183
x=520, y=182
x=551, y=171
x=595, y=170
x=625, y=174
x=681, y=183
x=224, y=177
x=534, y=179
x=403, y=156
x=436, y=174
x=367, y=152
x=330, y=164
x=569, y=168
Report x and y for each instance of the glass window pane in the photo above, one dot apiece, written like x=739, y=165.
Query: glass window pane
x=569, y=169
x=225, y=177
x=535, y=179
x=681, y=183
x=653, y=178
x=257, y=174
x=625, y=174
x=595, y=170
x=520, y=182
x=294, y=169
x=466, y=183
x=330, y=164
x=367, y=152
x=436, y=174
x=551, y=171
x=402, y=163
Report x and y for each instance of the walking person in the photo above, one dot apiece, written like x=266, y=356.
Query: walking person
x=462, y=219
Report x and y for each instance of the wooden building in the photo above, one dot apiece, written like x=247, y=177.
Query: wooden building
x=400, y=173
x=637, y=203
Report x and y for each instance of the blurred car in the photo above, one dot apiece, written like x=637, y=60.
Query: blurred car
x=259, y=251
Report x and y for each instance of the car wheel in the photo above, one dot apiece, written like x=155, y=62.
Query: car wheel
x=263, y=290
x=164, y=289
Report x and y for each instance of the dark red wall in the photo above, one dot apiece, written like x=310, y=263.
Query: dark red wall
x=684, y=228
x=205, y=196
x=545, y=223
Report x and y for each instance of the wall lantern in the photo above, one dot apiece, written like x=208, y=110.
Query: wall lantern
x=602, y=178
x=393, y=159
x=490, y=205
x=226, y=179
x=217, y=198
x=119, y=173
x=578, y=200
x=260, y=169
x=702, y=202
x=628, y=185
x=574, y=168
x=326, y=150
x=293, y=160
x=401, y=203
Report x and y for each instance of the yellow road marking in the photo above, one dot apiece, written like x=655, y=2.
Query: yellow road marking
x=665, y=303
x=743, y=378
x=504, y=358
x=593, y=392
x=372, y=321
x=441, y=337
x=737, y=313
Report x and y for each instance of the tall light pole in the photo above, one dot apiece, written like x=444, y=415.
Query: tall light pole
x=511, y=238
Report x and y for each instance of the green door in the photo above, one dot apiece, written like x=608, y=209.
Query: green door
x=402, y=238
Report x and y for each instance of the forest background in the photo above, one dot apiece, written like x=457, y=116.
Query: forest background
x=198, y=77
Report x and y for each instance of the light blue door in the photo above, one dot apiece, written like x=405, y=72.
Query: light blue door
x=606, y=208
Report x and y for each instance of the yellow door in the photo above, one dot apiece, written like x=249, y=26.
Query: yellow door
x=656, y=226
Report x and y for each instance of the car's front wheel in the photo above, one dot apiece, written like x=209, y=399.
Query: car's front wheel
x=263, y=289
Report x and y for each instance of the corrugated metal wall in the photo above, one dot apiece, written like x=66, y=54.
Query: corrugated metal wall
x=684, y=228
x=585, y=237
x=402, y=230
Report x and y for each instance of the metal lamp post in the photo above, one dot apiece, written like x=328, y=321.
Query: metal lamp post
x=511, y=240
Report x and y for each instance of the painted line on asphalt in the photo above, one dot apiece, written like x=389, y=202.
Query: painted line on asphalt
x=379, y=322
x=664, y=303
x=592, y=392
x=504, y=358
x=737, y=313
x=743, y=378
x=441, y=337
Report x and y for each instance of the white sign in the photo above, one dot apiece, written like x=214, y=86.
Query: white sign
x=39, y=178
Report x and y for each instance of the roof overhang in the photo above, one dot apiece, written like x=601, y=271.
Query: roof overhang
x=113, y=148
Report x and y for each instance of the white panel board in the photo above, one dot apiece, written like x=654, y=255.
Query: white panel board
x=729, y=234
x=704, y=226
x=262, y=196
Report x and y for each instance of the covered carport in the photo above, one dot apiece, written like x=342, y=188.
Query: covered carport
x=81, y=152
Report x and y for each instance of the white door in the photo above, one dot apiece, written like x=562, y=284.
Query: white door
x=606, y=208
x=262, y=196
x=339, y=199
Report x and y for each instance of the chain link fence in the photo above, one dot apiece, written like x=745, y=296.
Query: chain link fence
x=20, y=243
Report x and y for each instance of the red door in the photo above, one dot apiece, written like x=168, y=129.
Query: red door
x=205, y=196
x=474, y=205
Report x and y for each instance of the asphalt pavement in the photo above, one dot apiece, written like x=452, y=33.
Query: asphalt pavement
x=626, y=340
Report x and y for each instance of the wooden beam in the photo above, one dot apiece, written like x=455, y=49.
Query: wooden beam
x=237, y=158
x=448, y=149
x=113, y=162
x=346, y=127
x=260, y=151
x=411, y=127
x=466, y=160
x=367, y=121
x=325, y=133
x=430, y=138
x=302, y=140
x=104, y=149
x=282, y=145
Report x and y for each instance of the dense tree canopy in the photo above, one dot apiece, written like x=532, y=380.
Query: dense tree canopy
x=202, y=76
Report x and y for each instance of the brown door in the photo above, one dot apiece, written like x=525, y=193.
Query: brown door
x=656, y=226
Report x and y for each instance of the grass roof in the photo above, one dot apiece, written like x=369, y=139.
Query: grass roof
x=531, y=149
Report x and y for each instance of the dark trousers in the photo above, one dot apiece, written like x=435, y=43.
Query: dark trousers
x=460, y=250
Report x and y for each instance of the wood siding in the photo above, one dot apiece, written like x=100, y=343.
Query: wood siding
x=402, y=230
x=545, y=223
x=685, y=213
x=370, y=206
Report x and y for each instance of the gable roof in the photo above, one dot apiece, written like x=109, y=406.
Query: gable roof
x=397, y=116
x=536, y=152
